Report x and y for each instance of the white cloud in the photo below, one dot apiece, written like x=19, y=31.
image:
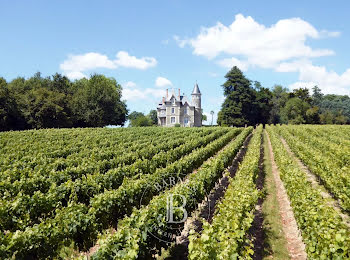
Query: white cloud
x=230, y=62
x=132, y=92
x=310, y=75
x=75, y=75
x=259, y=45
x=75, y=65
x=283, y=47
x=326, y=34
x=127, y=61
x=130, y=84
x=91, y=60
x=163, y=82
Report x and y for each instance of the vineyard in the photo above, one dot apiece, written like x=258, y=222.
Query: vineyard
x=174, y=193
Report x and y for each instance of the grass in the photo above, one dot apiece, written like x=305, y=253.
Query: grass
x=276, y=244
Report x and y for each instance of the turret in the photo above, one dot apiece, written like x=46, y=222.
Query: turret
x=196, y=97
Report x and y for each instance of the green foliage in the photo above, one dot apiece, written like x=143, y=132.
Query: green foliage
x=114, y=192
x=226, y=236
x=279, y=99
x=153, y=116
x=323, y=231
x=46, y=109
x=177, y=125
x=313, y=115
x=239, y=97
x=132, y=239
x=294, y=112
x=301, y=93
x=10, y=117
x=97, y=102
x=57, y=102
x=263, y=104
x=138, y=119
x=324, y=158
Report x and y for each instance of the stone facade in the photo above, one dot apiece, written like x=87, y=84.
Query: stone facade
x=177, y=109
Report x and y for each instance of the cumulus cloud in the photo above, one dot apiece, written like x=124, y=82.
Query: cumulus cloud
x=310, y=75
x=259, y=45
x=163, y=82
x=75, y=75
x=127, y=61
x=230, y=62
x=283, y=47
x=132, y=92
x=75, y=65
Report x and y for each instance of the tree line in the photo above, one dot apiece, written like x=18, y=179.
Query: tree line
x=248, y=103
x=57, y=102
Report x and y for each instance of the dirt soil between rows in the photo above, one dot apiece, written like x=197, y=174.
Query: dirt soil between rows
x=207, y=207
x=295, y=245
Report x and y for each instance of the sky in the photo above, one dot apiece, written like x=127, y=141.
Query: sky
x=148, y=46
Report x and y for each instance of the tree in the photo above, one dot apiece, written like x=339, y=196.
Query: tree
x=313, y=115
x=263, y=104
x=294, y=111
x=239, y=99
x=279, y=99
x=138, y=119
x=204, y=117
x=317, y=96
x=9, y=113
x=97, y=102
x=326, y=118
x=61, y=84
x=212, y=116
x=153, y=116
x=303, y=94
x=46, y=109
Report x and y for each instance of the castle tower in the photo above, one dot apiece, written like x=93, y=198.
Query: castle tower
x=196, y=102
x=196, y=97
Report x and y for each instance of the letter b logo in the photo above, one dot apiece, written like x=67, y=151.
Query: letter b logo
x=170, y=208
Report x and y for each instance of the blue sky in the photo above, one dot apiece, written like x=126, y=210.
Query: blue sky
x=293, y=43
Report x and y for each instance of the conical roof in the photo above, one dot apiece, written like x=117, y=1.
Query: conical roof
x=196, y=89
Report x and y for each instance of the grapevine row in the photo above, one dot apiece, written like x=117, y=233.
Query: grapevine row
x=26, y=210
x=132, y=239
x=226, y=237
x=322, y=229
x=80, y=224
x=334, y=175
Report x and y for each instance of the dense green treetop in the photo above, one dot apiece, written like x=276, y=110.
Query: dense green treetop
x=55, y=102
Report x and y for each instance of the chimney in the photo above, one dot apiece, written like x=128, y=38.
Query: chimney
x=163, y=101
x=166, y=93
x=179, y=93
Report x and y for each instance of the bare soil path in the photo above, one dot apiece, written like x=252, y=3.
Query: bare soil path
x=207, y=208
x=257, y=231
x=315, y=182
x=295, y=245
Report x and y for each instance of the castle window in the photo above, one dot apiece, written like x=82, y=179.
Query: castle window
x=173, y=110
x=172, y=120
x=185, y=111
x=186, y=120
x=173, y=101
